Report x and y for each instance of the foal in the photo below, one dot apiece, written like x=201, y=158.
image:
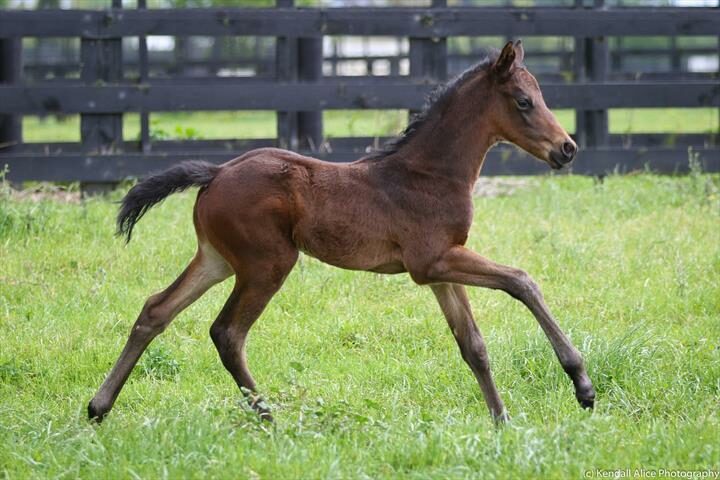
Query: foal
x=407, y=208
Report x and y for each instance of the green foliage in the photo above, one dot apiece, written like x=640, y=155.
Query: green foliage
x=360, y=369
x=159, y=364
x=20, y=220
x=158, y=132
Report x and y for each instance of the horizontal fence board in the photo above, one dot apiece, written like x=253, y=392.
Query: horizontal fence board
x=356, y=146
x=329, y=95
x=69, y=62
x=500, y=161
x=163, y=146
x=413, y=22
x=610, y=160
x=545, y=78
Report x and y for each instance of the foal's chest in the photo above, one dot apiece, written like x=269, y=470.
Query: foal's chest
x=445, y=217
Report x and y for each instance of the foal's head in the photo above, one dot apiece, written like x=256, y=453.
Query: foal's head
x=519, y=114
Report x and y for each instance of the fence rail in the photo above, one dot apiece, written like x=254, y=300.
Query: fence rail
x=327, y=95
x=53, y=66
x=299, y=92
x=388, y=21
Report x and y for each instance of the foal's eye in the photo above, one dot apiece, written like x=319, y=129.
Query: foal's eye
x=523, y=103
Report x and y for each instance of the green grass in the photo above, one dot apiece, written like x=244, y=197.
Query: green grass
x=350, y=123
x=361, y=370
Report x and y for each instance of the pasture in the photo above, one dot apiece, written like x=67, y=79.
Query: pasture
x=363, y=376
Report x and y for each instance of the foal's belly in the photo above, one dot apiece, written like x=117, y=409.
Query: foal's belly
x=348, y=246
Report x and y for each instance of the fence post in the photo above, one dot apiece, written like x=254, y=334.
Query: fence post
x=10, y=73
x=579, y=77
x=310, y=60
x=675, y=59
x=616, y=58
x=286, y=70
x=428, y=56
x=100, y=133
x=592, y=125
x=144, y=74
x=299, y=59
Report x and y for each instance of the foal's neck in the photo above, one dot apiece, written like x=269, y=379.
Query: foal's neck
x=453, y=141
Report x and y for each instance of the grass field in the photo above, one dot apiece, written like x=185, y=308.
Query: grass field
x=361, y=370
x=351, y=123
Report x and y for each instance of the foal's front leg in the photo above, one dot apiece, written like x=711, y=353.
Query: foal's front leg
x=455, y=305
x=460, y=265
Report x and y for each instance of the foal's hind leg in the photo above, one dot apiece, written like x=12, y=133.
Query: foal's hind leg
x=254, y=288
x=455, y=305
x=204, y=271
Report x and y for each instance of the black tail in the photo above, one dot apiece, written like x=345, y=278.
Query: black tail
x=156, y=188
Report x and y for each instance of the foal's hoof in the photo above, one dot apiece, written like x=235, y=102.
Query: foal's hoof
x=96, y=413
x=501, y=419
x=257, y=403
x=586, y=399
x=266, y=417
x=587, y=403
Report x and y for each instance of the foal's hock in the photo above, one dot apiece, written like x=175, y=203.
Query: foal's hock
x=411, y=211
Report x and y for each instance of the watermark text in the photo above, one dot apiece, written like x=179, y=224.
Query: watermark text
x=614, y=473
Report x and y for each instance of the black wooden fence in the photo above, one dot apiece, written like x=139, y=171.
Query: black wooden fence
x=299, y=91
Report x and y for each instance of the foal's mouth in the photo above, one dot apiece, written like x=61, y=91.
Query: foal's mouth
x=554, y=164
x=557, y=160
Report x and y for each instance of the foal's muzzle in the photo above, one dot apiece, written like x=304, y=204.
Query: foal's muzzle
x=563, y=155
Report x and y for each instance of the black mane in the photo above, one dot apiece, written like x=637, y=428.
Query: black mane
x=436, y=100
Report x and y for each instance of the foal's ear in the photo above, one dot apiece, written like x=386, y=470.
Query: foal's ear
x=504, y=64
x=519, y=52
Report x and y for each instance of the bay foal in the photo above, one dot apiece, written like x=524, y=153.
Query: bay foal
x=407, y=208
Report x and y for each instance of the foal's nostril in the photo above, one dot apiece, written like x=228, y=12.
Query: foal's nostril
x=569, y=150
